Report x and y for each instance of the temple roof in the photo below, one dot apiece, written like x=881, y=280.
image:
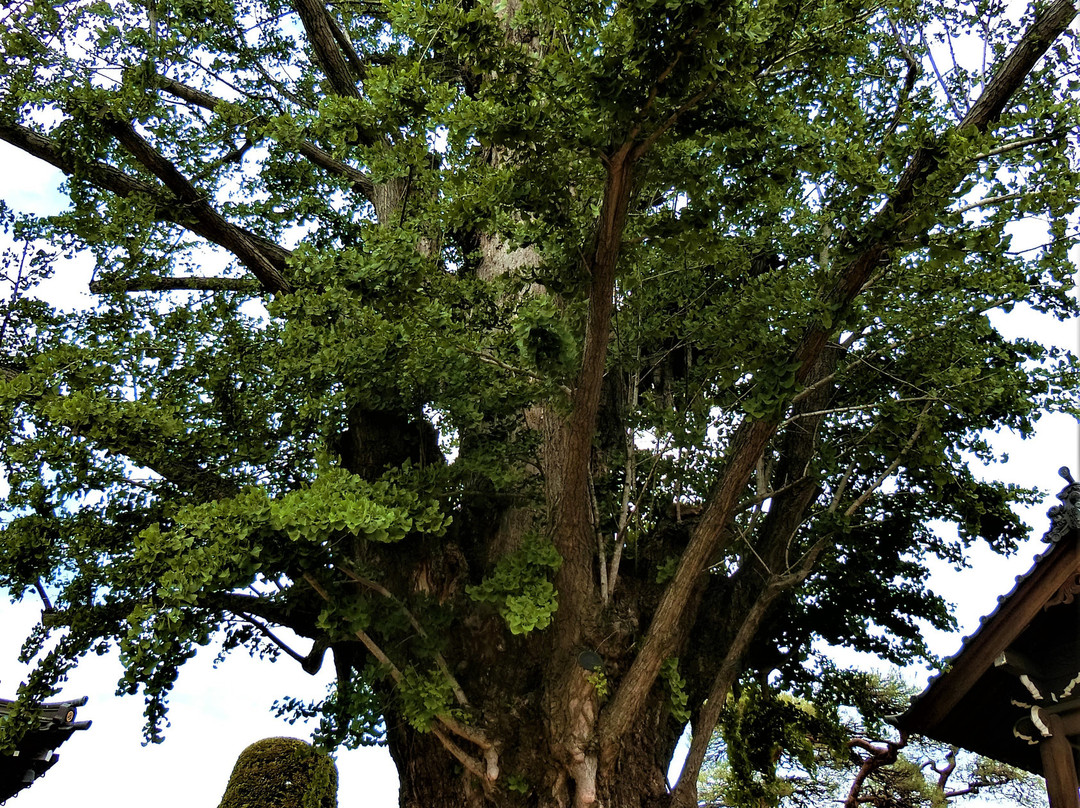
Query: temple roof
x=35, y=752
x=1022, y=663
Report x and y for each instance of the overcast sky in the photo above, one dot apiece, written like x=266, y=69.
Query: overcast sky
x=216, y=713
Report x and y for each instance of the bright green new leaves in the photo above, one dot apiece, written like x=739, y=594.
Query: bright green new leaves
x=229, y=544
x=520, y=586
x=678, y=700
x=223, y=544
x=424, y=696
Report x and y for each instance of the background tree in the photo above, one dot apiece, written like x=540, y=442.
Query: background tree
x=832, y=746
x=547, y=365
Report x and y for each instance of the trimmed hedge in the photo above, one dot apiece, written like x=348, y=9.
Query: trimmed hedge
x=282, y=773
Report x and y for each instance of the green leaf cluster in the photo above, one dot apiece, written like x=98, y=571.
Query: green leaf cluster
x=520, y=586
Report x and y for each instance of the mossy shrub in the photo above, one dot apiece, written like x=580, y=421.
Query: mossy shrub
x=282, y=773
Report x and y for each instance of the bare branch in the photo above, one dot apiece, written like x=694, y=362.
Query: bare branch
x=323, y=159
x=1021, y=143
x=946, y=771
x=876, y=758
x=320, y=33
x=491, y=360
x=940, y=79
x=909, y=82
x=600, y=550
x=629, y=473
x=990, y=200
x=771, y=494
x=642, y=148
x=277, y=641
x=853, y=408
x=459, y=693
x=355, y=62
x=188, y=93
x=46, y=604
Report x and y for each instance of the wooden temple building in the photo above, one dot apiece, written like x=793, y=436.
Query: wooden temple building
x=1012, y=692
x=35, y=753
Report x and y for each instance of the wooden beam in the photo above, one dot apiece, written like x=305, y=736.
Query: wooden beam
x=1070, y=722
x=1059, y=765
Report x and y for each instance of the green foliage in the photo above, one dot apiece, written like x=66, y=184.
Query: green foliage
x=518, y=784
x=424, y=696
x=520, y=586
x=543, y=336
x=339, y=351
x=678, y=699
x=348, y=716
x=600, y=684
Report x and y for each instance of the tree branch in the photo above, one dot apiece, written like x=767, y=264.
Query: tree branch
x=875, y=759
x=277, y=641
x=946, y=771
x=194, y=200
x=141, y=441
x=569, y=456
x=186, y=284
x=751, y=437
x=629, y=472
x=909, y=83
x=485, y=772
x=320, y=34
x=308, y=149
x=188, y=93
x=852, y=408
x=1020, y=143
x=322, y=159
x=858, y=503
x=199, y=219
x=990, y=200
x=685, y=792
x=455, y=686
x=355, y=62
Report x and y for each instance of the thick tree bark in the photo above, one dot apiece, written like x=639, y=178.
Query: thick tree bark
x=430, y=778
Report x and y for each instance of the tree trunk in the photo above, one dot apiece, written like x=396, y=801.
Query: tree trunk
x=428, y=775
x=531, y=776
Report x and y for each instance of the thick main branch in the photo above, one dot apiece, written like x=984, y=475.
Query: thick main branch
x=257, y=253
x=220, y=231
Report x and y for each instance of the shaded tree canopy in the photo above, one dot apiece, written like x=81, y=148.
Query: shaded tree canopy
x=542, y=367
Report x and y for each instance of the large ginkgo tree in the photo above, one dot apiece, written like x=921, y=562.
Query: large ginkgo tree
x=546, y=368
